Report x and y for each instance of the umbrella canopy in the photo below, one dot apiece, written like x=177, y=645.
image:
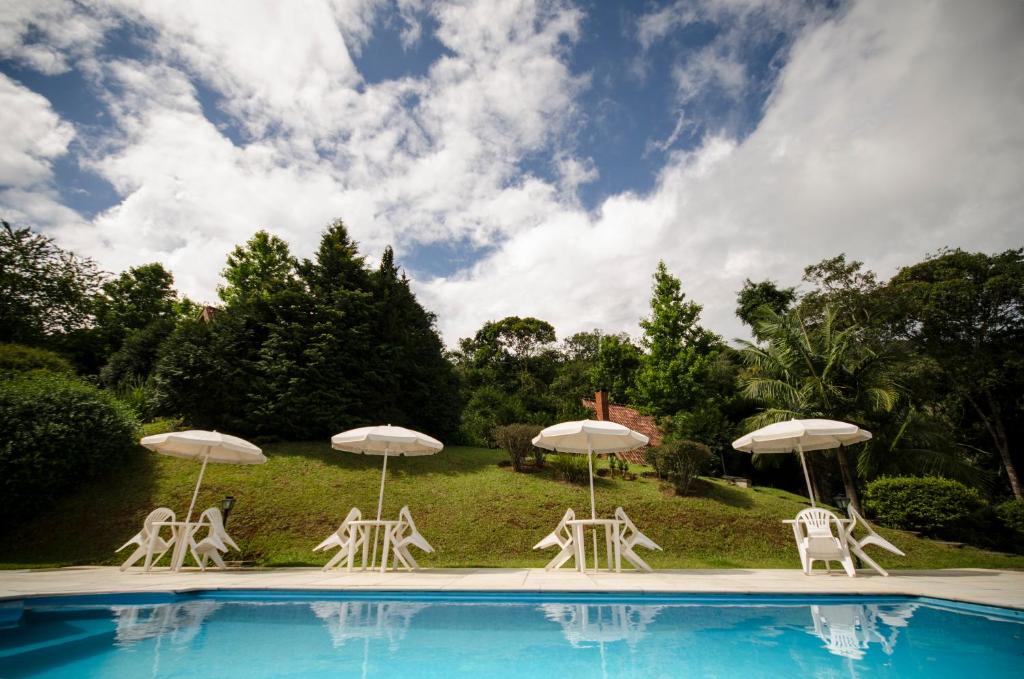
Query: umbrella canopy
x=589, y=436
x=387, y=441
x=208, y=446
x=801, y=436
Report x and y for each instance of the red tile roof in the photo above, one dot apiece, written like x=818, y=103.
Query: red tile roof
x=631, y=418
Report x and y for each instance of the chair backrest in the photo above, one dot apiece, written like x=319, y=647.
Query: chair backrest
x=818, y=522
x=213, y=517
x=157, y=515
x=629, y=527
x=405, y=516
x=353, y=515
x=562, y=528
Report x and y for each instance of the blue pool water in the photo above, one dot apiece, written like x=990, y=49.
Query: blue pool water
x=389, y=634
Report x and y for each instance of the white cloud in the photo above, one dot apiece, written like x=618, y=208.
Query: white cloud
x=43, y=33
x=894, y=130
x=34, y=137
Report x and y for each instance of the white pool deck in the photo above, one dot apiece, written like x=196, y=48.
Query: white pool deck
x=979, y=586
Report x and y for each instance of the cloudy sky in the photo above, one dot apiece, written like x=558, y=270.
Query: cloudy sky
x=523, y=157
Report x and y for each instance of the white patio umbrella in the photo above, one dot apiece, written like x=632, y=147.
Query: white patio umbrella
x=801, y=436
x=208, y=446
x=589, y=436
x=387, y=441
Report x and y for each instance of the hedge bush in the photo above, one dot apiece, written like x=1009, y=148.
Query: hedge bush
x=55, y=431
x=1011, y=515
x=19, y=358
x=932, y=505
x=517, y=440
x=681, y=460
x=571, y=468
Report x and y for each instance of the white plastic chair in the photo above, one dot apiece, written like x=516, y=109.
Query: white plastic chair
x=406, y=536
x=872, y=538
x=630, y=537
x=149, y=534
x=346, y=538
x=816, y=542
x=562, y=538
x=216, y=540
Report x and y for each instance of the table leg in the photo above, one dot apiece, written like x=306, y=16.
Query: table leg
x=366, y=544
x=384, y=553
x=180, y=546
x=581, y=559
x=618, y=548
x=608, y=546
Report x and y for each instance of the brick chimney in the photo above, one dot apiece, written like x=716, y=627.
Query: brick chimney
x=601, y=404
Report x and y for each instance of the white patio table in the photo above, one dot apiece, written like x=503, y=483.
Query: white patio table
x=612, y=530
x=364, y=525
x=182, y=533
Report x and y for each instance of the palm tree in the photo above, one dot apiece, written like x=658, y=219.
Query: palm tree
x=821, y=370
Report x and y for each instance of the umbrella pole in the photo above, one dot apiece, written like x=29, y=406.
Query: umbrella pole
x=380, y=506
x=807, y=477
x=593, y=507
x=195, y=494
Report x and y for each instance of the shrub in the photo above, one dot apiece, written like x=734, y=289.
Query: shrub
x=681, y=460
x=517, y=440
x=652, y=457
x=19, y=358
x=161, y=425
x=932, y=505
x=55, y=431
x=571, y=468
x=1011, y=515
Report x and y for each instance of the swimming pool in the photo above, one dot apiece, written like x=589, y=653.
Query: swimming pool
x=255, y=634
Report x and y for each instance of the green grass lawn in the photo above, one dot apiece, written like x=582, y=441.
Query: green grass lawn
x=474, y=512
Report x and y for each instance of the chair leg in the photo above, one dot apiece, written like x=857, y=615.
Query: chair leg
x=567, y=553
x=848, y=567
x=868, y=560
x=135, y=556
x=215, y=556
x=634, y=559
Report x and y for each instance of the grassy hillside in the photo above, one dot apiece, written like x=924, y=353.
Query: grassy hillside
x=474, y=512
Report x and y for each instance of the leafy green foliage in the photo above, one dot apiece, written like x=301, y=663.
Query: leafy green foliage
x=334, y=347
x=681, y=461
x=616, y=366
x=44, y=290
x=55, y=432
x=932, y=505
x=754, y=297
x=257, y=270
x=570, y=468
x=1011, y=514
x=966, y=312
x=679, y=351
x=17, y=358
x=817, y=370
x=138, y=297
x=517, y=440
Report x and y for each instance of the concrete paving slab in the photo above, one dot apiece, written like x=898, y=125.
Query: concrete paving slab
x=990, y=587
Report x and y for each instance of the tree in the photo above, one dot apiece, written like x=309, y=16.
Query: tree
x=679, y=350
x=616, y=366
x=256, y=270
x=752, y=297
x=821, y=370
x=140, y=296
x=966, y=311
x=44, y=290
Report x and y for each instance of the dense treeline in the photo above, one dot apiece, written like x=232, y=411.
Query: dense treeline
x=298, y=349
x=929, y=360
